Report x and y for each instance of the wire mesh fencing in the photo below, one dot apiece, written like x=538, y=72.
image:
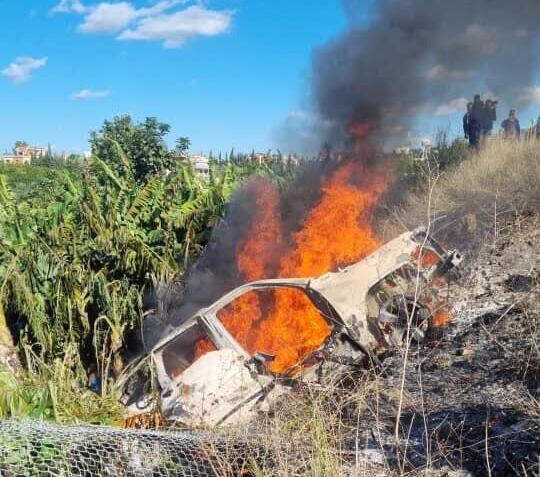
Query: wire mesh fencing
x=36, y=448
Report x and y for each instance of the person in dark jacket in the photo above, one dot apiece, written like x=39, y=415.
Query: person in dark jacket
x=466, y=121
x=511, y=126
x=490, y=116
x=476, y=121
x=538, y=128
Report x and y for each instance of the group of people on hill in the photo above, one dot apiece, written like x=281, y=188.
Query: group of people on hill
x=480, y=117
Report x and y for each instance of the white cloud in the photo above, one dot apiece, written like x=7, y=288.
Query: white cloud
x=90, y=94
x=442, y=73
x=489, y=94
x=522, y=33
x=108, y=18
x=114, y=17
x=157, y=22
x=23, y=66
x=458, y=105
x=453, y=106
x=67, y=6
x=158, y=8
x=175, y=28
x=529, y=96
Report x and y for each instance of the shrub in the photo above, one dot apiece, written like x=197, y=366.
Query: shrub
x=479, y=193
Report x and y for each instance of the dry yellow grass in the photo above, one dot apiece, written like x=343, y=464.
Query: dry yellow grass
x=502, y=181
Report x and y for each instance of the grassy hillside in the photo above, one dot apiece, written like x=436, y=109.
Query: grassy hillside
x=473, y=198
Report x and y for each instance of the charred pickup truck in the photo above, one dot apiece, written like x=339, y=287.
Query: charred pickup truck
x=210, y=373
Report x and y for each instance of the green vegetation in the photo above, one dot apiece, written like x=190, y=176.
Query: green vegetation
x=143, y=143
x=444, y=156
x=82, y=245
x=37, y=183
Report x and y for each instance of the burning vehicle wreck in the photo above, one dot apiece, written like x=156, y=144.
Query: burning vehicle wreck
x=219, y=368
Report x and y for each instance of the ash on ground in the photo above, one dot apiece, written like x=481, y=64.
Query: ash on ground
x=470, y=404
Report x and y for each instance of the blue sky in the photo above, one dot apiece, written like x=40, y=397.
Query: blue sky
x=227, y=83
x=226, y=73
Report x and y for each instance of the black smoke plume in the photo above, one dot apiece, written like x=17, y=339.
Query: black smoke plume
x=415, y=56
x=423, y=56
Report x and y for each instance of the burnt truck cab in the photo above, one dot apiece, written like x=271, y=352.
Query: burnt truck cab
x=207, y=376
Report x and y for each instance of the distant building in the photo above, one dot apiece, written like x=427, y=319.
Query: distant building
x=32, y=151
x=260, y=158
x=421, y=153
x=200, y=164
x=15, y=159
x=23, y=154
x=291, y=159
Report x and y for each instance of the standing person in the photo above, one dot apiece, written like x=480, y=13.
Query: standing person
x=476, y=121
x=538, y=128
x=490, y=116
x=511, y=127
x=466, y=123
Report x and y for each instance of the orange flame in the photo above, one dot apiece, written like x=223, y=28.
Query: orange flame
x=336, y=232
x=425, y=258
x=256, y=257
x=436, y=301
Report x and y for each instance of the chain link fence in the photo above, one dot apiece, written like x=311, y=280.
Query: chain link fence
x=36, y=448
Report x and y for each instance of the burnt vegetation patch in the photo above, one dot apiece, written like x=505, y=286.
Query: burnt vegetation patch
x=482, y=440
x=521, y=283
x=470, y=399
x=506, y=347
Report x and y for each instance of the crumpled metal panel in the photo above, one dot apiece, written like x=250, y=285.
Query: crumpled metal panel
x=217, y=385
x=347, y=290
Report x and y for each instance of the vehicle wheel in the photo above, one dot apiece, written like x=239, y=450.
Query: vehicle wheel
x=402, y=319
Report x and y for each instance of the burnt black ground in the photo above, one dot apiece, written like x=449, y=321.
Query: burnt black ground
x=471, y=402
